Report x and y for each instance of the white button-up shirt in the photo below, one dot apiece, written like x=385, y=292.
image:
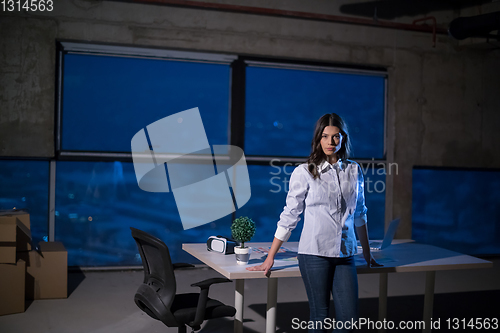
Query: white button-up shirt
x=334, y=204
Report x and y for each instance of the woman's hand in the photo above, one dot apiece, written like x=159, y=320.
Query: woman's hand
x=374, y=263
x=363, y=239
x=265, y=266
x=370, y=261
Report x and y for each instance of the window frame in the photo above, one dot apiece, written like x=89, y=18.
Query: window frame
x=71, y=47
x=318, y=67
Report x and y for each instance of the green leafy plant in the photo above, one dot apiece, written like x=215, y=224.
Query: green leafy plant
x=243, y=229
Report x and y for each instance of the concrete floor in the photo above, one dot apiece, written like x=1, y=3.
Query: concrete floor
x=102, y=302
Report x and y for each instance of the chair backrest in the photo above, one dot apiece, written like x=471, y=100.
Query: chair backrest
x=156, y=294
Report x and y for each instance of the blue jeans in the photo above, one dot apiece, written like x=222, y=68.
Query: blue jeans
x=325, y=275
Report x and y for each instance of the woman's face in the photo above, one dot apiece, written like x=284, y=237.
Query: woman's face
x=331, y=141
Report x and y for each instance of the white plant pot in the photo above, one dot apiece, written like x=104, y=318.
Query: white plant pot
x=242, y=255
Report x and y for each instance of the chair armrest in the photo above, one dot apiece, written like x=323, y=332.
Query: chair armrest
x=202, y=299
x=182, y=265
x=208, y=282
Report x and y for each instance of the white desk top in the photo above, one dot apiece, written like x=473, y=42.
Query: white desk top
x=401, y=256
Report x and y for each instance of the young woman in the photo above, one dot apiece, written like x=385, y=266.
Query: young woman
x=329, y=189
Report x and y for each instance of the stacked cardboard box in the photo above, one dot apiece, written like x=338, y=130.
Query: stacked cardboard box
x=46, y=271
x=25, y=272
x=15, y=237
x=12, y=284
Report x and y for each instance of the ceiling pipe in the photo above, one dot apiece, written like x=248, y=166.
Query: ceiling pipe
x=292, y=14
x=434, y=24
x=475, y=26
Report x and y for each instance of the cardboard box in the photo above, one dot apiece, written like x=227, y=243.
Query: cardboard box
x=47, y=271
x=21, y=214
x=23, y=233
x=12, y=287
x=8, y=226
x=15, y=235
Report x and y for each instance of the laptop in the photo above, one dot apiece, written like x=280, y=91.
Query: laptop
x=377, y=245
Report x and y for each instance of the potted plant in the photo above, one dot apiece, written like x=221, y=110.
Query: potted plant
x=242, y=230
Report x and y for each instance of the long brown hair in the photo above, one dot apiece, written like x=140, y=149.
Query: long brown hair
x=317, y=155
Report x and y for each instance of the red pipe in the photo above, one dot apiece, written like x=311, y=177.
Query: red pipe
x=293, y=14
x=434, y=23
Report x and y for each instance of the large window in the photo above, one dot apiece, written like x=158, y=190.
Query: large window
x=282, y=105
x=107, y=94
x=457, y=209
x=107, y=99
x=98, y=202
x=25, y=185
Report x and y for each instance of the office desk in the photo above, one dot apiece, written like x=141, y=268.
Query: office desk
x=401, y=256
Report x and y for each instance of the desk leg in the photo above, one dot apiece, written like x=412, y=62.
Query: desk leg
x=272, y=300
x=382, y=297
x=239, y=295
x=430, y=279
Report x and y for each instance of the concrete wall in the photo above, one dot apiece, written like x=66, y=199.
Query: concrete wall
x=443, y=101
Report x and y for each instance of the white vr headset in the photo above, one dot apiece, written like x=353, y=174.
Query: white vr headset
x=220, y=244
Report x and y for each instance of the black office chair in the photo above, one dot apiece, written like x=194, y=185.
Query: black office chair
x=157, y=294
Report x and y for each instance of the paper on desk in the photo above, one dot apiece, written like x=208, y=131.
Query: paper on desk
x=284, y=253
